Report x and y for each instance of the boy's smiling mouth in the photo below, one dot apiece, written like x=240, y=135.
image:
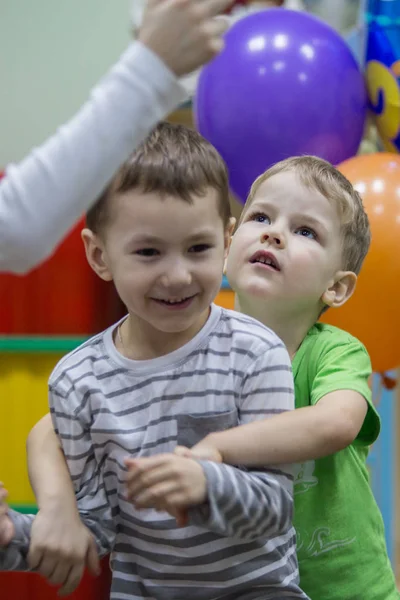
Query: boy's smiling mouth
x=175, y=303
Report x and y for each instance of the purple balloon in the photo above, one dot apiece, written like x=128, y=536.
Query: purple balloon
x=286, y=84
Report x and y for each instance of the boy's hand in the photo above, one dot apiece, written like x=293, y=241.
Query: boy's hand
x=204, y=450
x=165, y=482
x=184, y=33
x=60, y=549
x=7, y=530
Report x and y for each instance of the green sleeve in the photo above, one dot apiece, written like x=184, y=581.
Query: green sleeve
x=347, y=366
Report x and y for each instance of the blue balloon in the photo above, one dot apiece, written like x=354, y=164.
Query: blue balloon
x=285, y=84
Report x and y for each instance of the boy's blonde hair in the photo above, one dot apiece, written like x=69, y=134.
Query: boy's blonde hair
x=318, y=174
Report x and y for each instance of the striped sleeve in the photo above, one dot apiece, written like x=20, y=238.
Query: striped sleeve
x=74, y=435
x=13, y=556
x=251, y=504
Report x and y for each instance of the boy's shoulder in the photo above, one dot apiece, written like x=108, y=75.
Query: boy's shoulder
x=328, y=350
x=325, y=335
x=244, y=330
x=81, y=360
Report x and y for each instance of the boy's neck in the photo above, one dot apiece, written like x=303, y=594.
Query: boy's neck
x=138, y=340
x=291, y=328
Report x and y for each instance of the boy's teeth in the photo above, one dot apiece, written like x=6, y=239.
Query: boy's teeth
x=266, y=261
x=175, y=301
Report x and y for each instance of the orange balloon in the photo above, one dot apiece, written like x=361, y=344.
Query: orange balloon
x=373, y=313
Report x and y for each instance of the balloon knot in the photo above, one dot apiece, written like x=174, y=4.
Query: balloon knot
x=388, y=383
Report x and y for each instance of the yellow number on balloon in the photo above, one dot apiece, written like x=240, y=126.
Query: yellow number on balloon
x=381, y=79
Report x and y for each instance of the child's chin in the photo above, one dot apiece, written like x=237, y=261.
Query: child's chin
x=258, y=291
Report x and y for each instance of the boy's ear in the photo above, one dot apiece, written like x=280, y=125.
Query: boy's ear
x=231, y=226
x=341, y=289
x=95, y=254
x=228, y=237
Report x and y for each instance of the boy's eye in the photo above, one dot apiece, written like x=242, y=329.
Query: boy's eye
x=199, y=248
x=259, y=217
x=307, y=232
x=147, y=252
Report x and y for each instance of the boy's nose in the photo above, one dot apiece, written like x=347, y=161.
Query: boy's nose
x=177, y=277
x=273, y=238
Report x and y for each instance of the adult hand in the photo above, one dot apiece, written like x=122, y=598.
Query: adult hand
x=184, y=33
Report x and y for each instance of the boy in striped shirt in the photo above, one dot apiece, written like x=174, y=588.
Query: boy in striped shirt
x=175, y=369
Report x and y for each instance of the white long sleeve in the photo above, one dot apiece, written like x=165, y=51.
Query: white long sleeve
x=43, y=196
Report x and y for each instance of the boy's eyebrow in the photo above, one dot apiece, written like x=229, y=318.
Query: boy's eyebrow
x=310, y=219
x=202, y=234
x=144, y=238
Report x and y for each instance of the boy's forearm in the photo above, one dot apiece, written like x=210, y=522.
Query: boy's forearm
x=292, y=437
x=48, y=471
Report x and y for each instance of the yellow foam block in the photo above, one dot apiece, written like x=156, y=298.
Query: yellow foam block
x=23, y=401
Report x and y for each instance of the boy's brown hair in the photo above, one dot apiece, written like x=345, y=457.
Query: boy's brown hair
x=172, y=161
x=320, y=175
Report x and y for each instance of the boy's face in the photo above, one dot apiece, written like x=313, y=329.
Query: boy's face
x=165, y=257
x=287, y=250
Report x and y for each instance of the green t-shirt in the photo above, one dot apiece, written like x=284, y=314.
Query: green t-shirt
x=341, y=543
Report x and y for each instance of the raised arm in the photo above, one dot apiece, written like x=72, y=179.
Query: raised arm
x=44, y=195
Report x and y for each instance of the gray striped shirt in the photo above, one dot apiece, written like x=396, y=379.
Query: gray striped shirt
x=241, y=545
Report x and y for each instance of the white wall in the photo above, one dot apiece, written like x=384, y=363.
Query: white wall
x=51, y=53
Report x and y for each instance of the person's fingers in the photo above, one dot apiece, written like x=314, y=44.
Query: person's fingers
x=47, y=566
x=92, y=559
x=60, y=573
x=144, y=481
x=183, y=451
x=139, y=465
x=217, y=26
x=7, y=530
x=72, y=581
x=156, y=496
x=212, y=8
x=182, y=32
x=35, y=557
